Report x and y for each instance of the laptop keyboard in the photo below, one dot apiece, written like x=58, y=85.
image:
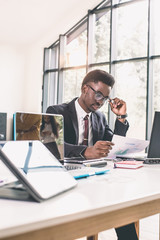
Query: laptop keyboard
x=152, y=161
x=72, y=167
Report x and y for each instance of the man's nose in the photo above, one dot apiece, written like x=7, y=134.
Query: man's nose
x=100, y=102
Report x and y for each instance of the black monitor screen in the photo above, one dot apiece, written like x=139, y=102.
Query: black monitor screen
x=154, y=147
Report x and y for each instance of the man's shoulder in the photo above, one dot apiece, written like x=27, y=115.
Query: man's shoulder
x=61, y=108
x=57, y=109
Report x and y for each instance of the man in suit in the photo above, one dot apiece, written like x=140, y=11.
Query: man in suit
x=95, y=90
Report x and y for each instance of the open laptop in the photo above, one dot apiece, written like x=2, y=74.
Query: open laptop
x=153, y=155
x=35, y=174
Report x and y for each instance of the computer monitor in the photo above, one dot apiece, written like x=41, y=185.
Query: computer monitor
x=154, y=146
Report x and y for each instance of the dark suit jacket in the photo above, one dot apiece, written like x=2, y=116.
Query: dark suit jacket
x=100, y=128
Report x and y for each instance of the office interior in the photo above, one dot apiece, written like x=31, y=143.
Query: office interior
x=41, y=64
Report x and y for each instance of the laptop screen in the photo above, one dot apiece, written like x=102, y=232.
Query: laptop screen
x=154, y=146
x=48, y=128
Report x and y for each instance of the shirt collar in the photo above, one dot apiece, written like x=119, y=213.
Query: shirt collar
x=80, y=112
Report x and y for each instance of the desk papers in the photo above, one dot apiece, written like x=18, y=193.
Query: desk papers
x=124, y=146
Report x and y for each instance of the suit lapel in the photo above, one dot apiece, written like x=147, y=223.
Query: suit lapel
x=73, y=117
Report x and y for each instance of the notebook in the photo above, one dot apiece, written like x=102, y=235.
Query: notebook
x=38, y=175
x=128, y=164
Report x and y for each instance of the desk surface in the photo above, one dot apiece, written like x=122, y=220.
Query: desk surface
x=99, y=196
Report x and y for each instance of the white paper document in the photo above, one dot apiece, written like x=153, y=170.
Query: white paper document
x=124, y=146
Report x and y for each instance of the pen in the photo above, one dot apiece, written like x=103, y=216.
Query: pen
x=90, y=174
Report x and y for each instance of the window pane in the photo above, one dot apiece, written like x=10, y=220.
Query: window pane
x=46, y=59
x=51, y=58
x=49, y=90
x=103, y=67
x=156, y=20
x=54, y=57
x=72, y=83
x=45, y=92
x=101, y=41
x=131, y=87
x=132, y=30
x=156, y=81
x=76, y=51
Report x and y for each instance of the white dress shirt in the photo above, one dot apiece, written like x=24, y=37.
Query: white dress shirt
x=80, y=116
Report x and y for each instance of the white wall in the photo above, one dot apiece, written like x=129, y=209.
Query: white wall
x=21, y=65
x=21, y=72
x=12, y=66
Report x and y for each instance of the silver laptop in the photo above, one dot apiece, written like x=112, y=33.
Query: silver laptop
x=47, y=128
x=38, y=174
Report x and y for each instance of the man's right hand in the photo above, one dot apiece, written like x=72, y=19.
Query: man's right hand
x=98, y=150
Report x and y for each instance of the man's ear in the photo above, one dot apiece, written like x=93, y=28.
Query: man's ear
x=84, y=89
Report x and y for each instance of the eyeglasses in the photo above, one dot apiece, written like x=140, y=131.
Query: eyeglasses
x=98, y=95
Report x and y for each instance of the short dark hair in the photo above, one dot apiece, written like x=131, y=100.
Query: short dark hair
x=99, y=76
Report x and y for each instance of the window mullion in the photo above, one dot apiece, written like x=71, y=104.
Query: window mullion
x=61, y=64
x=149, y=110
x=91, y=34
x=111, y=116
x=46, y=64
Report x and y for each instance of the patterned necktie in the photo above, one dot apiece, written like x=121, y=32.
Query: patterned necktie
x=85, y=140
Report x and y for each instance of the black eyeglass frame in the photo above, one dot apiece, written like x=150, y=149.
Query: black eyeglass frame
x=100, y=96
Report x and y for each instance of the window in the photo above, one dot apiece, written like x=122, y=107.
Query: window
x=132, y=19
x=75, y=54
x=156, y=29
x=73, y=79
x=101, y=38
x=118, y=36
x=156, y=85
x=131, y=84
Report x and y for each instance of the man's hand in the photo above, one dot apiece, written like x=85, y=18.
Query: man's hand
x=118, y=106
x=98, y=150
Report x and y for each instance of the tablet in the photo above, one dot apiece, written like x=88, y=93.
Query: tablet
x=36, y=169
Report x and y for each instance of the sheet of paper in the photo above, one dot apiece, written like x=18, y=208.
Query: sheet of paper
x=124, y=146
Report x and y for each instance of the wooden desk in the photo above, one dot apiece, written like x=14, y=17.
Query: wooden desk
x=96, y=204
